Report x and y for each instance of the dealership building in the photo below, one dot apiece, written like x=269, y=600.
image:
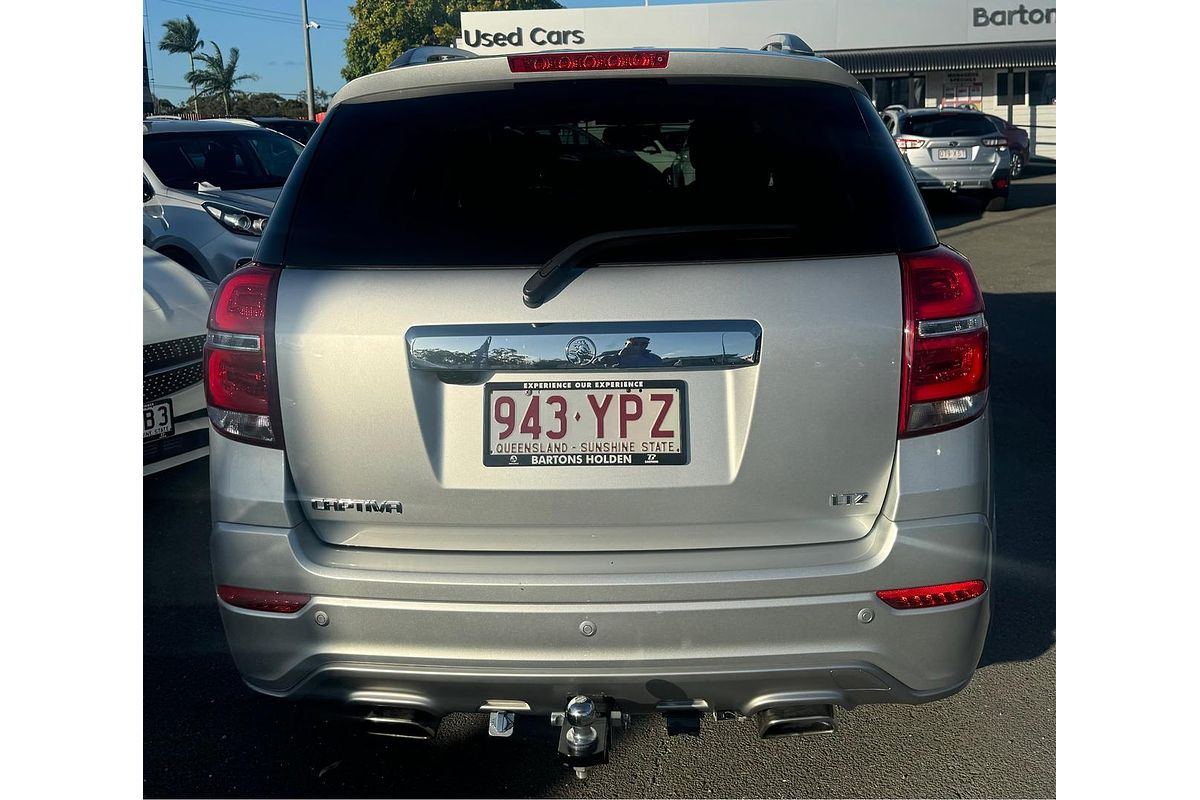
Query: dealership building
x=994, y=55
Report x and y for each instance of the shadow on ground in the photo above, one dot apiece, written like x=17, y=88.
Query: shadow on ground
x=1023, y=413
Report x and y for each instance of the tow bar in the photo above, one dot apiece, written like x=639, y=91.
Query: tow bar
x=586, y=732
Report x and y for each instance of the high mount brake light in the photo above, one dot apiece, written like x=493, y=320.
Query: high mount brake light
x=942, y=594
x=584, y=62
x=242, y=400
x=944, y=365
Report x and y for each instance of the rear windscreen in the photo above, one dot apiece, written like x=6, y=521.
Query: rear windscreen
x=933, y=126
x=511, y=177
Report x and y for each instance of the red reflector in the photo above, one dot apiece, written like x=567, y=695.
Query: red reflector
x=949, y=366
x=240, y=304
x=263, y=599
x=943, y=594
x=237, y=380
x=580, y=62
x=1001, y=183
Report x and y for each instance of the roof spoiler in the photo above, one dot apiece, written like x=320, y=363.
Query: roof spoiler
x=429, y=54
x=787, y=43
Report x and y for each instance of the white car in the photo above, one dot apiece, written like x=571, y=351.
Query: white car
x=175, y=306
x=208, y=188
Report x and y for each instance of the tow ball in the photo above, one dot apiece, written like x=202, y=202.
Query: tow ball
x=586, y=732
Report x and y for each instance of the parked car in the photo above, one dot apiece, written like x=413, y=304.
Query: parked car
x=1018, y=144
x=503, y=427
x=299, y=129
x=175, y=306
x=957, y=150
x=208, y=188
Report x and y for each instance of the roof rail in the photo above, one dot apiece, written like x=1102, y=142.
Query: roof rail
x=429, y=54
x=787, y=43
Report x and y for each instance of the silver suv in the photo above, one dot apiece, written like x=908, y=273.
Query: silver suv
x=952, y=149
x=208, y=188
x=507, y=425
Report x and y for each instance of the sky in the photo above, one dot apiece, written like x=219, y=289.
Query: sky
x=270, y=40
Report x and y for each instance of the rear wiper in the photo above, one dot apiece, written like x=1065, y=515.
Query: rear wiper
x=579, y=254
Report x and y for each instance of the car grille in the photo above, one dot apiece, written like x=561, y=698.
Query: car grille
x=168, y=382
x=159, y=355
x=168, y=367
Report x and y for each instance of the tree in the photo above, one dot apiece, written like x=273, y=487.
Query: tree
x=219, y=77
x=321, y=97
x=383, y=29
x=182, y=36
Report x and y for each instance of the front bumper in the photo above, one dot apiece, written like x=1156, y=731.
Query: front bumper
x=190, y=439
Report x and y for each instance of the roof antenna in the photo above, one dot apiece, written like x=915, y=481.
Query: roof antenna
x=787, y=43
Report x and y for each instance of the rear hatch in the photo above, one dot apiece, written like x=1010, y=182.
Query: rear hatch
x=733, y=385
x=950, y=142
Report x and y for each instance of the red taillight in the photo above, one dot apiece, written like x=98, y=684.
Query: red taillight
x=942, y=594
x=263, y=599
x=909, y=143
x=582, y=62
x=241, y=304
x=237, y=358
x=944, y=368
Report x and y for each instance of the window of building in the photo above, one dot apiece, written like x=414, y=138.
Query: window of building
x=1041, y=88
x=1017, y=98
x=908, y=91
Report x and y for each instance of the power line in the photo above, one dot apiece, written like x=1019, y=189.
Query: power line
x=263, y=15
x=270, y=11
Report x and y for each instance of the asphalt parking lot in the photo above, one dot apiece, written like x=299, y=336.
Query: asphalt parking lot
x=205, y=734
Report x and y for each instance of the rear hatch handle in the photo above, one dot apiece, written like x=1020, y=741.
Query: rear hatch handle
x=580, y=254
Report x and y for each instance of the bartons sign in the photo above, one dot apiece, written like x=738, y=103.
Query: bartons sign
x=1012, y=16
x=516, y=38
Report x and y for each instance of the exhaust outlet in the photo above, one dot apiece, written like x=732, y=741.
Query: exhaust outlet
x=775, y=723
x=402, y=723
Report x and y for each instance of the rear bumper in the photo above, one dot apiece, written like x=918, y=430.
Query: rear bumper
x=739, y=628
x=740, y=640
x=953, y=177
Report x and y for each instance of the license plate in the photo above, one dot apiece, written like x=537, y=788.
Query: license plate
x=158, y=419
x=951, y=155
x=598, y=423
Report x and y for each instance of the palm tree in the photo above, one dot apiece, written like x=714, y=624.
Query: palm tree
x=218, y=77
x=183, y=36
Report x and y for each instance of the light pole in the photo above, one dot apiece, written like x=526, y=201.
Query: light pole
x=308, y=54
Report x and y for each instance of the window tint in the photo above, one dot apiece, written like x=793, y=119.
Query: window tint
x=938, y=125
x=512, y=177
x=249, y=159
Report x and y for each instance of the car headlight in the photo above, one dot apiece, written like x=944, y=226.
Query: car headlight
x=237, y=220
